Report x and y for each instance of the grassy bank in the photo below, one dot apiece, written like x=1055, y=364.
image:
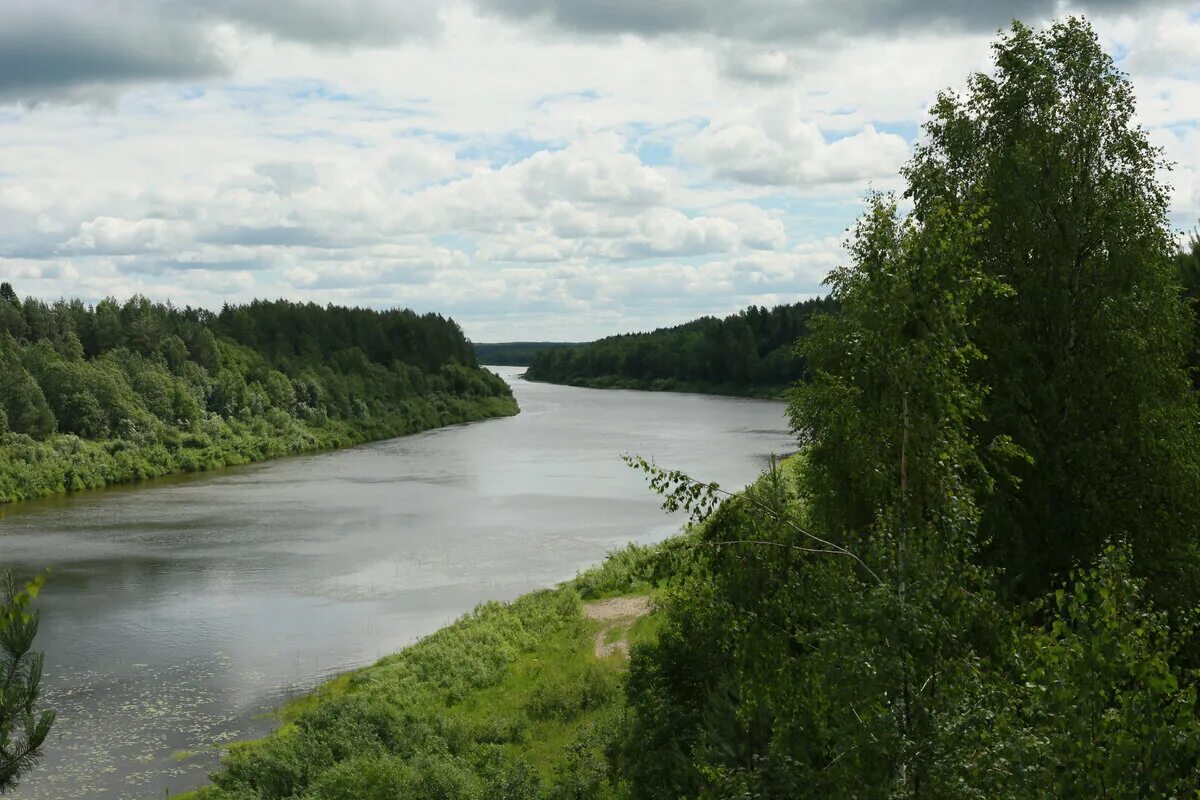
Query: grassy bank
x=520, y=700
x=32, y=468
x=778, y=392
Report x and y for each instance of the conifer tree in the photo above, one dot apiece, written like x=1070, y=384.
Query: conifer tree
x=23, y=725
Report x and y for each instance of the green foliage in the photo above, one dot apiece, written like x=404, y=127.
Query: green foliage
x=430, y=776
x=586, y=772
x=514, y=354
x=140, y=390
x=23, y=726
x=823, y=681
x=21, y=397
x=1085, y=356
x=965, y=443
x=886, y=416
x=436, y=666
x=564, y=697
x=1097, y=705
x=485, y=708
x=749, y=353
x=633, y=569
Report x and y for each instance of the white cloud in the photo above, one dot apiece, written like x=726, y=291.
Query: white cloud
x=113, y=236
x=592, y=171
x=777, y=145
x=590, y=199
x=533, y=180
x=1181, y=146
x=1164, y=44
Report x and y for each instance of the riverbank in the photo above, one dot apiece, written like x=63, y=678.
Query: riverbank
x=242, y=587
x=511, y=701
x=515, y=701
x=671, y=385
x=66, y=463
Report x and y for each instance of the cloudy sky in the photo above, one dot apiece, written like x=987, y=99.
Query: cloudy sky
x=550, y=169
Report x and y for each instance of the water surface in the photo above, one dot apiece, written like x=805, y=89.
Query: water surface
x=180, y=611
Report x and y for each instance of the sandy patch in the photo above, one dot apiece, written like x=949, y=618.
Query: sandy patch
x=618, y=612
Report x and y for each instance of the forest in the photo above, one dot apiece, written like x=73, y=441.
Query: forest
x=976, y=579
x=748, y=353
x=514, y=354
x=96, y=395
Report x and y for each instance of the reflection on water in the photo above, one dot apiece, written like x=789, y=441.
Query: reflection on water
x=179, y=612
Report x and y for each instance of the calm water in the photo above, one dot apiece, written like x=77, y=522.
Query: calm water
x=179, y=612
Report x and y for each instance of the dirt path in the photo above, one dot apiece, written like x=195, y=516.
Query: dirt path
x=619, y=612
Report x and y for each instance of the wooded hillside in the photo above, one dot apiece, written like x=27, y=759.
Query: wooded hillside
x=92, y=395
x=748, y=353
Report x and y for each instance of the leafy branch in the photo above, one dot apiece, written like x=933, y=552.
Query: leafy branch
x=700, y=499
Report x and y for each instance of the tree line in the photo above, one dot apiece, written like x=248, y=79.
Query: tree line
x=95, y=394
x=750, y=352
x=514, y=354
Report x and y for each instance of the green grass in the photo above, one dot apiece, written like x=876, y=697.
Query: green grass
x=510, y=694
x=335, y=687
x=645, y=629
x=530, y=714
x=563, y=657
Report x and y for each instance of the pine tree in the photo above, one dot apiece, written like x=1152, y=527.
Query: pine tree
x=23, y=728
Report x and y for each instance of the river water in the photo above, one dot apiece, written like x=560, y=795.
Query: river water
x=179, y=612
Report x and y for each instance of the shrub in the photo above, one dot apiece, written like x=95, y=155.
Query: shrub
x=564, y=697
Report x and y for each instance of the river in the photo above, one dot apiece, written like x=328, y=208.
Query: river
x=179, y=612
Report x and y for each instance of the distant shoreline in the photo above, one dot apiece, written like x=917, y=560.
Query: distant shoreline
x=672, y=386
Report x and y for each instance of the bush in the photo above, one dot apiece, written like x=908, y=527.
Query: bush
x=564, y=697
x=365, y=777
x=588, y=771
x=328, y=734
x=1097, y=705
x=636, y=568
